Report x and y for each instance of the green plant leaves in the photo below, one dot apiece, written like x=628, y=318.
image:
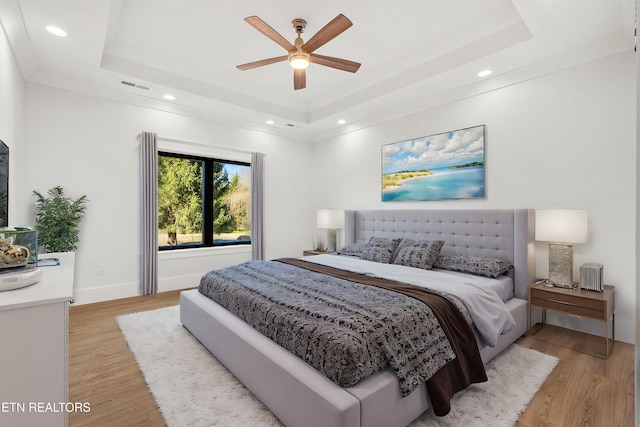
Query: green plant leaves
x=57, y=220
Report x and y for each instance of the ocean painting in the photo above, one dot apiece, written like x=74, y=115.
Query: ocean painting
x=444, y=166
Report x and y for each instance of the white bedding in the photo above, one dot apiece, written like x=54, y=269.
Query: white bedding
x=487, y=309
x=502, y=285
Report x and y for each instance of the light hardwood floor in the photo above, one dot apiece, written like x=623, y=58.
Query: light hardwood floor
x=582, y=390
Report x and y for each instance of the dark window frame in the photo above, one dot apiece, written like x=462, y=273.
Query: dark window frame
x=207, y=202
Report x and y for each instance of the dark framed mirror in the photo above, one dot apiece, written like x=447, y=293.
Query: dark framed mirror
x=4, y=185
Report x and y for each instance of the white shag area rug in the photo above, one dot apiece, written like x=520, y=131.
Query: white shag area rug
x=193, y=389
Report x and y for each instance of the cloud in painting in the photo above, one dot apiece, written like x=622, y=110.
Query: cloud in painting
x=441, y=150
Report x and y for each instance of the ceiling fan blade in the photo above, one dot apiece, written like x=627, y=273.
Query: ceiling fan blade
x=299, y=79
x=262, y=62
x=265, y=29
x=327, y=33
x=339, y=63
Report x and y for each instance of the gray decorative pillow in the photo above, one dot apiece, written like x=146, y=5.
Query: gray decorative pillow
x=379, y=249
x=420, y=254
x=353, y=248
x=474, y=264
x=404, y=242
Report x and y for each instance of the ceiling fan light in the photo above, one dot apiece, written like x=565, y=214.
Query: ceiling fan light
x=299, y=61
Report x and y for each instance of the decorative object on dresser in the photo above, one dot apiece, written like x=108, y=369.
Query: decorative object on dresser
x=23, y=277
x=591, y=277
x=18, y=258
x=448, y=165
x=332, y=220
x=561, y=228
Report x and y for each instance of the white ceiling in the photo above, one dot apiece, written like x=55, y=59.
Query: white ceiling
x=414, y=53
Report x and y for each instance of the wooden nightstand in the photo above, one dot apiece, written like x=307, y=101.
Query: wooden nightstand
x=579, y=303
x=308, y=252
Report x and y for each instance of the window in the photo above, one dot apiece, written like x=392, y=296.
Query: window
x=202, y=202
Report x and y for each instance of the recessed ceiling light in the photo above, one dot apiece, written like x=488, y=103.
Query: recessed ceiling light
x=56, y=31
x=342, y=121
x=269, y=122
x=484, y=73
x=169, y=97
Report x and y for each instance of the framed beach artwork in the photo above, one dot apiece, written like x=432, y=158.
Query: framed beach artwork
x=445, y=166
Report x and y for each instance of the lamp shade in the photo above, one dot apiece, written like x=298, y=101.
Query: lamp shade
x=561, y=225
x=330, y=218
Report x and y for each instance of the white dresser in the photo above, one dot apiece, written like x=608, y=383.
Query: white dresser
x=34, y=333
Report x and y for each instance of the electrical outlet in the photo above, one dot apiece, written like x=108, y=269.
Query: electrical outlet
x=102, y=269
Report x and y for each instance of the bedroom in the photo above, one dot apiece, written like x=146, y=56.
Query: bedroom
x=555, y=138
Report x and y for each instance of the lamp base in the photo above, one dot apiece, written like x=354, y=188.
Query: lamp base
x=332, y=239
x=561, y=265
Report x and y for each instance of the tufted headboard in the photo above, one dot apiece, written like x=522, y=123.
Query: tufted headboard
x=498, y=233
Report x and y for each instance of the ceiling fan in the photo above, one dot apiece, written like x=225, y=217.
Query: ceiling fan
x=300, y=54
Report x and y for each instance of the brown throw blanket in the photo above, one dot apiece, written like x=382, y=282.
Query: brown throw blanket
x=466, y=369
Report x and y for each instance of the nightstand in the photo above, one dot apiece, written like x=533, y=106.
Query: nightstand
x=308, y=252
x=578, y=303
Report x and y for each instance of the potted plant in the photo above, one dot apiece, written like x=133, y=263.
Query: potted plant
x=57, y=220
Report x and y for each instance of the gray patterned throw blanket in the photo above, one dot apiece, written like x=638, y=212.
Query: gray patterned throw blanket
x=345, y=329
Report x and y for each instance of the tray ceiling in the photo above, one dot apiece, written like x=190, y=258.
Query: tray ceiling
x=414, y=55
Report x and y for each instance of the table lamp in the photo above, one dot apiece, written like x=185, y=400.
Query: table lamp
x=332, y=220
x=561, y=228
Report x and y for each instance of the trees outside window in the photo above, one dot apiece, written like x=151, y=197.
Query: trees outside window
x=202, y=201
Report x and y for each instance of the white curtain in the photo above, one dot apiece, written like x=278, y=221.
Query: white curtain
x=257, y=206
x=149, y=213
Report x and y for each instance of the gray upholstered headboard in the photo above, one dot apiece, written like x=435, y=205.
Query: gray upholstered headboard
x=498, y=233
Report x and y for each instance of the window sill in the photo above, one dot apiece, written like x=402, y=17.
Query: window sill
x=203, y=252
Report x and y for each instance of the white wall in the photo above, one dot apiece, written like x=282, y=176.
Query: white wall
x=565, y=140
x=90, y=145
x=11, y=101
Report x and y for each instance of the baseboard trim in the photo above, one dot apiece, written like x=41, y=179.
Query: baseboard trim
x=131, y=289
x=105, y=293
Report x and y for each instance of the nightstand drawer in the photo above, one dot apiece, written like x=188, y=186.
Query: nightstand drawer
x=567, y=302
x=577, y=302
x=597, y=312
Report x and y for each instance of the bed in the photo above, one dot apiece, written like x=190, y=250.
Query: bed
x=297, y=393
